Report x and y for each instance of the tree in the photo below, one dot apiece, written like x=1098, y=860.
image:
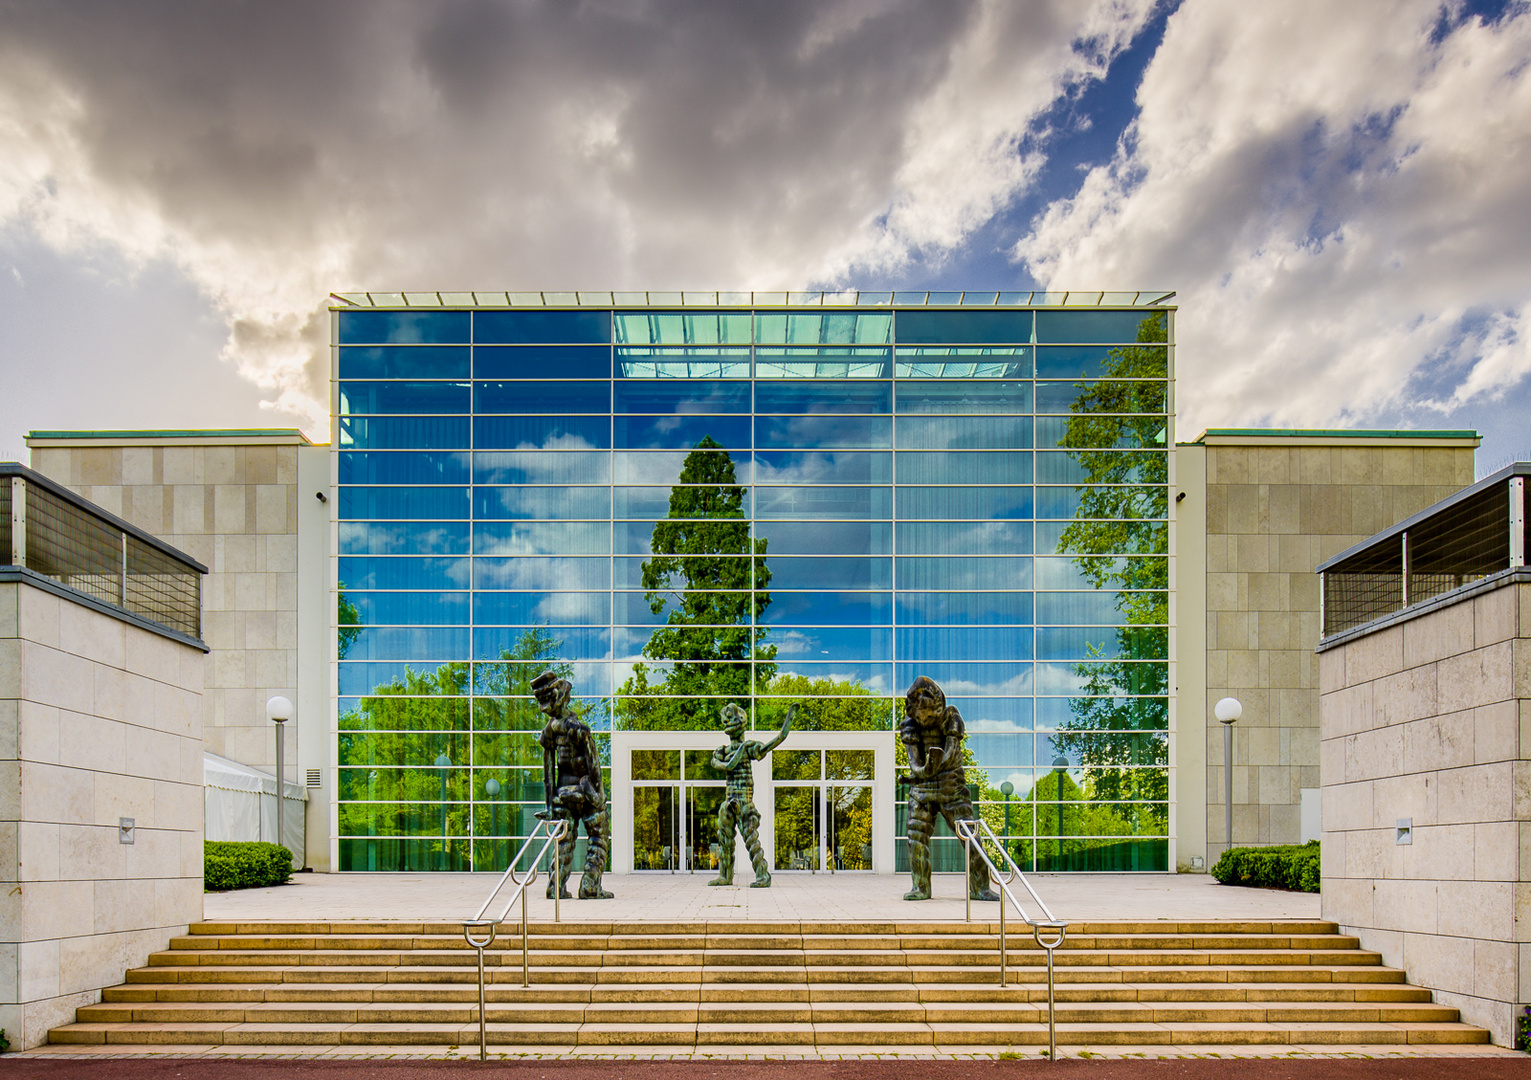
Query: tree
x=347, y=622
x=1116, y=435
x=712, y=576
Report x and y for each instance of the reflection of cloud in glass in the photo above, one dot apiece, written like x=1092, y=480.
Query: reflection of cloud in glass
x=561, y=441
x=1016, y=685
x=543, y=573
x=566, y=607
x=807, y=468
x=400, y=539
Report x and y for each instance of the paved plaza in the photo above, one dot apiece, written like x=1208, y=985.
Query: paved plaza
x=791, y=898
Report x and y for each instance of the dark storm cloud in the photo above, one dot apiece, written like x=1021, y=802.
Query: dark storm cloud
x=276, y=151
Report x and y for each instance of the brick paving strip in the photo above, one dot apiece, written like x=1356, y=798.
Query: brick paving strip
x=1157, y=1063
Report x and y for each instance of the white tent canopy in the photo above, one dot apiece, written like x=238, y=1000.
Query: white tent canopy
x=239, y=803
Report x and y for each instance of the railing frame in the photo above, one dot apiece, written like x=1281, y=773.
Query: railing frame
x=1047, y=932
x=479, y=932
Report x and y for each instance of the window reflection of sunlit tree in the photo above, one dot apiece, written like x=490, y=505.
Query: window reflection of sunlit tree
x=712, y=577
x=1116, y=436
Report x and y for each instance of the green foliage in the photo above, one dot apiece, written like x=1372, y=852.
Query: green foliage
x=1115, y=438
x=712, y=576
x=347, y=622
x=1287, y=866
x=1522, y=1030
x=230, y=864
x=5, y=1044
x=823, y=705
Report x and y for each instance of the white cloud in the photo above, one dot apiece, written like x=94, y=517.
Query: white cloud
x=1339, y=200
x=275, y=152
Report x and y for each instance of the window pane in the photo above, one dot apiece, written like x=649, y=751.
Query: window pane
x=509, y=643
x=542, y=398
x=681, y=396
x=403, y=327
x=1102, y=607
x=829, y=643
x=416, y=503
x=824, y=362
x=691, y=362
x=392, y=713
x=1101, y=643
x=964, y=643
x=437, y=644
x=976, y=680
x=944, y=503
x=1098, y=326
x=812, y=467
x=542, y=432
x=823, y=397
x=835, y=328
x=963, y=397
x=962, y=327
x=515, y=503
x=681, y=328
x=822, y=502
x=404, y=538
x=964, y=538
x=827, y=537
x=417, y=362
x=403, y=397
x=823, y=432
x=541, y=327
x=672, y=432
x=952, y=433
x=964, y=573
x=445, y=680
x=828, y=609
x=408, y=608
x=677, y=501
x=542, y=467
x=539, y=572
x=403, y=432
x=542, y=538
x=1128, y=432
x=800, y=572
x=1093, y=361
x=964, y=468
x=1104, y=396
x=1104, y=502
x=964, y=608
x=401, y=467
x=527, y=362
x=395, y=572
x=521, y=608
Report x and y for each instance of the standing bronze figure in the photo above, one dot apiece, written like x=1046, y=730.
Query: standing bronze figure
x=932, y=733
x=571, y=777
x=738, y=809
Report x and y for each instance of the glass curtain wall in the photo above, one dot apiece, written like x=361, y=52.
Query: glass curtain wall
x=677, y=510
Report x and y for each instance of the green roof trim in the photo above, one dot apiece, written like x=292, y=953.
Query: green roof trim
x=179, y=433
x=1336, y=433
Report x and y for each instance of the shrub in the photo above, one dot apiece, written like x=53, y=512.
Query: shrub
x=1289, y=866
x=235, y=864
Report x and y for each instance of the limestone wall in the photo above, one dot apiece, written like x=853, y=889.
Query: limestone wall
x=1425, y=720
x=99, y=720
x=1277, y=506
x=229, y=501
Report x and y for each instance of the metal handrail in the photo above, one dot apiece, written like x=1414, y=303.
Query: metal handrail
x=479, y=932
x=973, y=833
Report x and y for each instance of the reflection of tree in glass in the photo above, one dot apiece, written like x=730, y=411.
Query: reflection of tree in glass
x=1116, y=436
x=347, y=622
x=713, y=577
x=402, y=730
x=824, y=705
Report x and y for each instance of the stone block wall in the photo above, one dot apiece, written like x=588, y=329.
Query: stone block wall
x=1426, y=718
x=99, y=720
x=1276, y=506
x=229, y=500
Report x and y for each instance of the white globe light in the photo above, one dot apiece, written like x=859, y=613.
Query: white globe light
x=278, y=709
x=1228, y=710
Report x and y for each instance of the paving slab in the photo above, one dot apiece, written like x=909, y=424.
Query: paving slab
x=676, y=899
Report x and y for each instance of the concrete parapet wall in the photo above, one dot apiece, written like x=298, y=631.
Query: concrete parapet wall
x=99, y=720
x=1425, y=719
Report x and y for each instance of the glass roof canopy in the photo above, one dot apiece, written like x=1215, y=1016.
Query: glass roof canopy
x=846, y=298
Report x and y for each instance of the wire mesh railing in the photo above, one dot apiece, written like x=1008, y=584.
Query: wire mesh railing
x=1464, y=539
x=52, y=532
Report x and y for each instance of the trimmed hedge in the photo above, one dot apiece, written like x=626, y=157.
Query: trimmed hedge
x=1289, y=866
x=240, y=864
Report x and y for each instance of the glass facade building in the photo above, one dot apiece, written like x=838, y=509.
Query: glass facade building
x=680, y=503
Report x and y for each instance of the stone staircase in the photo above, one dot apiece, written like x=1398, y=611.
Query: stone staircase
x=732, y=987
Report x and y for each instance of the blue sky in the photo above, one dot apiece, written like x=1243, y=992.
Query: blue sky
x=1336, y=192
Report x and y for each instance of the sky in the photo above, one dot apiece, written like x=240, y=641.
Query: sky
x=1339, y=194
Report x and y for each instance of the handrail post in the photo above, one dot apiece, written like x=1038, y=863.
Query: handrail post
x=557, y=868
x=526, y=965
x=468, y=928
x=967, y=874
x=1001, y=942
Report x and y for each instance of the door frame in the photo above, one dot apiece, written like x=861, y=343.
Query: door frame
x=623, y=743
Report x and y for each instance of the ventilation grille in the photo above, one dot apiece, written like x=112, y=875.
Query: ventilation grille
x=315, y=778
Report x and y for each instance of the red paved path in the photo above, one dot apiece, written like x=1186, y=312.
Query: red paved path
x=1459, y=1068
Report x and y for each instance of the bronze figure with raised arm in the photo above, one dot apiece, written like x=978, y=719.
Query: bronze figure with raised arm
x=738, y=809
x=571, y=776
x=932, y=734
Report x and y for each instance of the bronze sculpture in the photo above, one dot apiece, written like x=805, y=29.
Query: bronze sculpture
x=932, y=734
x=738, y=809
x=571, y=776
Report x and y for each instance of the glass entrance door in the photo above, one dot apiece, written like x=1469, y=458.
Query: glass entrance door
x=676, y=796
x=823, y=808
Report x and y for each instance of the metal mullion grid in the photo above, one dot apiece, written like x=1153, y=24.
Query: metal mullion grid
x=472, y=583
